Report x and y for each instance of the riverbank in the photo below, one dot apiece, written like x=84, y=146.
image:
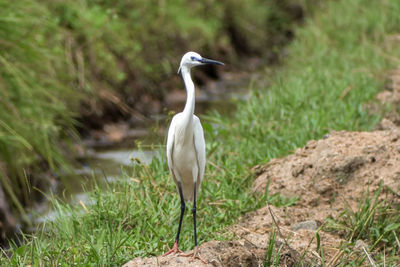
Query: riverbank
x=68, y=68
x=336, y=65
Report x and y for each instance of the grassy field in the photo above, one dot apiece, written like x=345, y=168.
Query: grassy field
x=138, y=216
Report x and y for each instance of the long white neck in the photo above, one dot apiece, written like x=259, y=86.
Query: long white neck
x=190, y=99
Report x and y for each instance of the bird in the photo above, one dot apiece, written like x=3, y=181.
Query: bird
x=186, y=148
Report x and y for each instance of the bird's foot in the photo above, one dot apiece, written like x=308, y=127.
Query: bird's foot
x=194, y=255
x=173, y=250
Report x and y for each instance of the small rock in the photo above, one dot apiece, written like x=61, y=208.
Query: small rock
x=307, y=225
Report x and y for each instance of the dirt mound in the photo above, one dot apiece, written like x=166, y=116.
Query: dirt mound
x=216, y=253
x=339, y=167
x=328, y=176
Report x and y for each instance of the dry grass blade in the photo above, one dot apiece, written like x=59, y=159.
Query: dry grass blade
x=371, y=261
x=345, y=92
x=279, y=229
x=397, y=240
x=335, y=258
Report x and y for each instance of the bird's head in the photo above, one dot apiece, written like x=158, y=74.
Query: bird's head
x=192, y=59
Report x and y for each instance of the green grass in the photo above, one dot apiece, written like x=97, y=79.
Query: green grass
x=138, y=216
x=273, y=253
x=61, y=60
x=376, y=222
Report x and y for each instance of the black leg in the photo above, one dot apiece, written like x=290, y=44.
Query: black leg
x=194, y=216
x=182, y=211
x=195, y=254
x=175, y=248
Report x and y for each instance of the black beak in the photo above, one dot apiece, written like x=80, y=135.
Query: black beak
x=210, y=61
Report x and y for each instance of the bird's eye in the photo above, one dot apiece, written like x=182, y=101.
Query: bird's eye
x=193, y=58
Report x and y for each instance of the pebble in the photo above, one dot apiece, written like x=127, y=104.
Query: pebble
x=307, y=225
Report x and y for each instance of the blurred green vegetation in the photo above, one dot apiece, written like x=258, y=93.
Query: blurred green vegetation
x=63, y=63
x=138, y=216
x=37, y=99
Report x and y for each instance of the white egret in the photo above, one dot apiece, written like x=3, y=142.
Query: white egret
x=186, y=149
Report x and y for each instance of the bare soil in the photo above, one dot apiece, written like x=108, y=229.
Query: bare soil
x=329, y=175
x=216, y=253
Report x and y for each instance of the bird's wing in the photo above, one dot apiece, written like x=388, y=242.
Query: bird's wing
x=200, y=147
x=170, y=148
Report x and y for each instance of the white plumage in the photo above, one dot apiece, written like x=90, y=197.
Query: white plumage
x=186, y=153
x=186, y=148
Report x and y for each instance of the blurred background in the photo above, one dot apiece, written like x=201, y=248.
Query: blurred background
x=86, y=86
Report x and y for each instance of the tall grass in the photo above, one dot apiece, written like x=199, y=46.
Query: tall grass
x=62, y=61
x=35, y=97
x=308, y=98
